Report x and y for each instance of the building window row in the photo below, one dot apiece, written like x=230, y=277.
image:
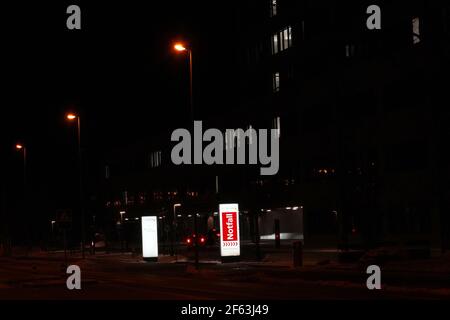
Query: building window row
x=282, y=40
x=155, y=159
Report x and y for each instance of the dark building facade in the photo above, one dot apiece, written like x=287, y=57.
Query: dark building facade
x=360, y=114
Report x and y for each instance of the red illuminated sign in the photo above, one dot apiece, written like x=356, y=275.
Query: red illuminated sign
x=229, y=229
x=229, y=226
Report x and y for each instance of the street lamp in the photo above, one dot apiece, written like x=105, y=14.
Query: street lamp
x=174, y=227
x=72, y=117
x=21, y=148
x=180, y=47
x=121, y=215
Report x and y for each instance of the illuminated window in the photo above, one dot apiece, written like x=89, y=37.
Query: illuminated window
x=282, y=40
x=286, y=36
x=275, y=43
x=276, y=82
x=276, y=124
x=350, y=50
x=416, y=30
x=155, y=159
x=273, y=8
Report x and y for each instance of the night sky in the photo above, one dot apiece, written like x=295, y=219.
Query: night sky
x=119, y=72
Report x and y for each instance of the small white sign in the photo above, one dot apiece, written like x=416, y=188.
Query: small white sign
x=149, y=237
x=229, y=230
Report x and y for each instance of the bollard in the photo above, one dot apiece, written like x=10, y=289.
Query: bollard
x=297, y=253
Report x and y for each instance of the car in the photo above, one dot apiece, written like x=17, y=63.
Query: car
x=190, y=240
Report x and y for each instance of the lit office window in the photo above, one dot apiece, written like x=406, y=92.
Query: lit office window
x=273, y=8
x=155, y=159
x=275, y=43
x=286, y=38
x=350, y=50
x=282, y=40
x=276, y=82
x=277, y=125
x=416, y=30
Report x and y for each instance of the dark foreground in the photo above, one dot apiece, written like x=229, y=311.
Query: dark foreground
x=124, y=276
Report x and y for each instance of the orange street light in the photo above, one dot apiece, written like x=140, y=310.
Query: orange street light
x=19, y=146
x=71, y=116
x=179, y=47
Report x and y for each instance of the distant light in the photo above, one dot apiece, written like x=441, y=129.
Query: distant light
x=179, y=215
x=269, y=210
x=215, y=213
x=126, y=219
x=202, y=239
x=53, y=221
x=122, y=212
x=19, y=146
x=288, y=208
x=198, y=215
x=136, y=218
x=189, y=215
x=160, y=218
x=71, y=116
x=179, y=47
x=295, y=208
x=188, y=240
x=301, y=207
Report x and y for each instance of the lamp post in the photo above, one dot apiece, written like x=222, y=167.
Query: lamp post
x=174, y=228
x=21, y=148
x=180, y=47
x=73, y=117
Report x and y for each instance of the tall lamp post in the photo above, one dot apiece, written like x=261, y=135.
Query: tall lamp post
x=174, y=226
x=21, y=148
x=73, y=117
x=180, y=47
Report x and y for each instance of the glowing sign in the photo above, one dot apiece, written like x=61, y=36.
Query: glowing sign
x=149, y=237
x=229, y=230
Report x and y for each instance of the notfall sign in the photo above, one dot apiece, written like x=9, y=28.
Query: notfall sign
x=149, y=238
x=229, y=230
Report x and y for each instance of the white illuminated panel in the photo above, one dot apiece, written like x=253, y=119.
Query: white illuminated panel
x=229, y=230
x=149, y=237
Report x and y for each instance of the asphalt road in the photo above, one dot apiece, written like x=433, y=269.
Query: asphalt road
x=117, y=276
